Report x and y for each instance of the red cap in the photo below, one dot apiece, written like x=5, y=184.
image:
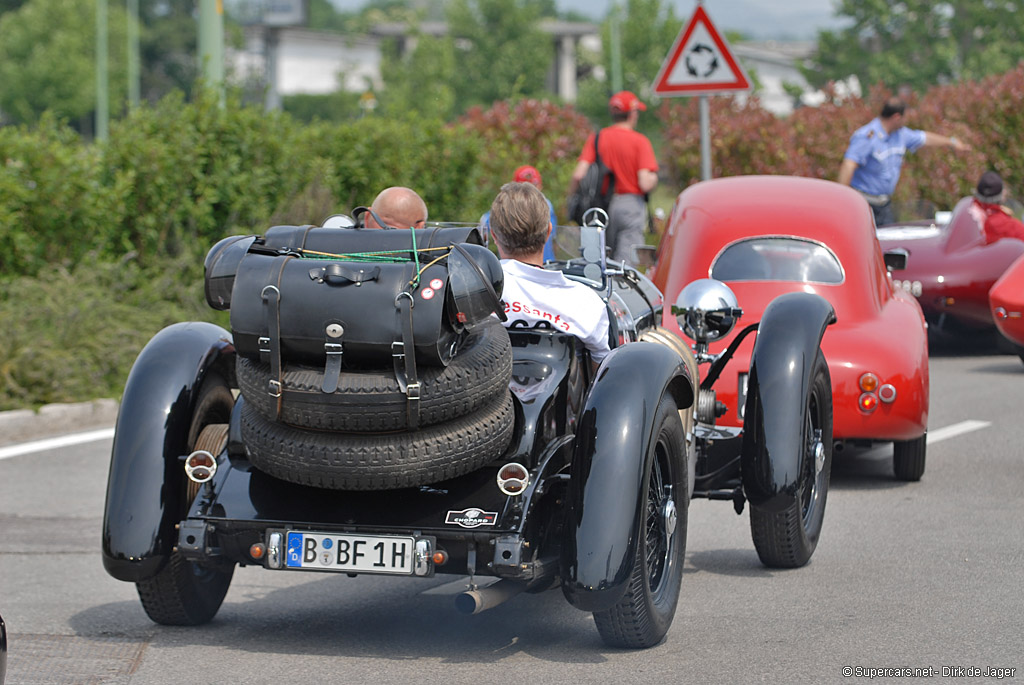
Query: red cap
x=527, y=174
x=624, y=101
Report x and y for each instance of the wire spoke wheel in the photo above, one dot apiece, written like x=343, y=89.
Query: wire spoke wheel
x=644, y=614
x=787, y=538
x=183, y=592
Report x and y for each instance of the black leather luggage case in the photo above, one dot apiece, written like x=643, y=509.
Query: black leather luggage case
x=314, y=308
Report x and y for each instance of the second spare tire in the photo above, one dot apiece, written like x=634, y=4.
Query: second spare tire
x=371, y=401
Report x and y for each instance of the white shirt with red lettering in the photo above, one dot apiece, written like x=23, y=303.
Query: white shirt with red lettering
x=538, y=298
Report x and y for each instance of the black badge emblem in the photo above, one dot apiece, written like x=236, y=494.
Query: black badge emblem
x=471, y=518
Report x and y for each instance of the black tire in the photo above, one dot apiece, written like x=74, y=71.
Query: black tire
x=644, y=614
x=184, y=593
x=372, y=402
x=361, y=461
x=787, y=538
x=908, y=458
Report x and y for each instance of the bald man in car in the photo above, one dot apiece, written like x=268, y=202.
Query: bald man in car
x=397, y=207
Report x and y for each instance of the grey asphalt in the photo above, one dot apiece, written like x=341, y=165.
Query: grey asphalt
x=924, y=575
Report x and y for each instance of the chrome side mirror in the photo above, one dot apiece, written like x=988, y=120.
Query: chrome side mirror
x=706, y=310
x=896, y=259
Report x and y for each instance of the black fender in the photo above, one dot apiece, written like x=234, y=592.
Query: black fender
x=786, y=348
x=143, y=495
x=605, y=493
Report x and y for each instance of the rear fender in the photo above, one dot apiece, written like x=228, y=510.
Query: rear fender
x=143, y=494
x=786, y=348
x=605, y=492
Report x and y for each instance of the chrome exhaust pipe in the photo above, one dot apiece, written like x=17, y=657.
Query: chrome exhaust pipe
x=484, y=598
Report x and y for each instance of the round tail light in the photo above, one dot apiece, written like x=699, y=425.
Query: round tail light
x=868, y=382
x=868, y=402
x=513, y=479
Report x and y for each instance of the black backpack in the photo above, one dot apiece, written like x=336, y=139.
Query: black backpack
x=595, y=188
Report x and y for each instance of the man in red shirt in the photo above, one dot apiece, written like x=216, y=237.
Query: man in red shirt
x=630, y=156
x=999, y=221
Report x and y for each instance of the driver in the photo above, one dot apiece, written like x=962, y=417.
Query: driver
x=535, y=297
x=397, y=207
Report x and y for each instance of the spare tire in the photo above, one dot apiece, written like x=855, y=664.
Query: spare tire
x=372, y=402
x=360, y=461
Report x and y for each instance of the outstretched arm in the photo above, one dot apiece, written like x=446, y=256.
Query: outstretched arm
x=939, y=140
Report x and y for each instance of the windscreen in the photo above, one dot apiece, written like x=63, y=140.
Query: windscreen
x=777, y=259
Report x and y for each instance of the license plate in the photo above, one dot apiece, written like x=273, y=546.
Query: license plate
x=741, y=395
x=350, y=553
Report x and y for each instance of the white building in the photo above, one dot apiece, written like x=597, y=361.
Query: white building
x=294, y=60
x=302, y=61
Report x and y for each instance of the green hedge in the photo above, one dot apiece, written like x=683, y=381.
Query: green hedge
x=101, y=245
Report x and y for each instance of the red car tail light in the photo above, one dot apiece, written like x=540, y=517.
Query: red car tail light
x=887, y=393
x=999, y=313
x=868, y=382
x=867, y=402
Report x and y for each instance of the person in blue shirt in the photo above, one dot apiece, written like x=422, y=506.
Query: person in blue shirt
x=528, y=174
x=874, y=157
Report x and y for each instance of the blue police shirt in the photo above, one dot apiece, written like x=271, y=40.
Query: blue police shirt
x=879, y=156
x=549, y=249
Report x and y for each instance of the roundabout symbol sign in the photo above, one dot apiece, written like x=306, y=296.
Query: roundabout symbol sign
x=700, y=62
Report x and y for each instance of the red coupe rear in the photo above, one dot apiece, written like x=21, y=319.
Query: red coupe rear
x=767, y=235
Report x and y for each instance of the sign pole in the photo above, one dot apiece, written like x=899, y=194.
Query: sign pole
x=705, y=139
x=700, y=64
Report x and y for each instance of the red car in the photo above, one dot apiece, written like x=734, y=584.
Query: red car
x=767, y=235
x=950, y=269
x=1006, y=299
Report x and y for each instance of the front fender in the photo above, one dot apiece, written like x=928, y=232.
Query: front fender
x=605, y=494
x=143, y=494
x=788, y=340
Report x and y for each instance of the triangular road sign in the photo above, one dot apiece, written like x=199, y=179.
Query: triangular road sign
x=700, y=62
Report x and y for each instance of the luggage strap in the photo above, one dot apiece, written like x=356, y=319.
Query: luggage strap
x=270, y=345
x=332, y=350
x=403, y=354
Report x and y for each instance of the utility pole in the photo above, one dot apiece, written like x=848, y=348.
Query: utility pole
x=133, y=53
x=616, y=49
x=211, y=44
x=102, y=94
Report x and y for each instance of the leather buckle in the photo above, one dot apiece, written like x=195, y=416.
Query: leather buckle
x=274, y=388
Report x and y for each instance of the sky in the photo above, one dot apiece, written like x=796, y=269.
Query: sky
x=758, y=19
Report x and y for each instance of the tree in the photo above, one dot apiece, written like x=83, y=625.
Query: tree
x=502, y=52
x=169, y=47
x=421, y=83
x=47, y=59
x=919, y=43
x=493, y=50
x=647, y=29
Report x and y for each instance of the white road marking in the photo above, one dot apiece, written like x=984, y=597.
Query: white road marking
x=936, y=435
x=956, y=429
x=54, y=443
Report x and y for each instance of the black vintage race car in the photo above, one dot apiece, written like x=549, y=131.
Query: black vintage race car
x=369, y=414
